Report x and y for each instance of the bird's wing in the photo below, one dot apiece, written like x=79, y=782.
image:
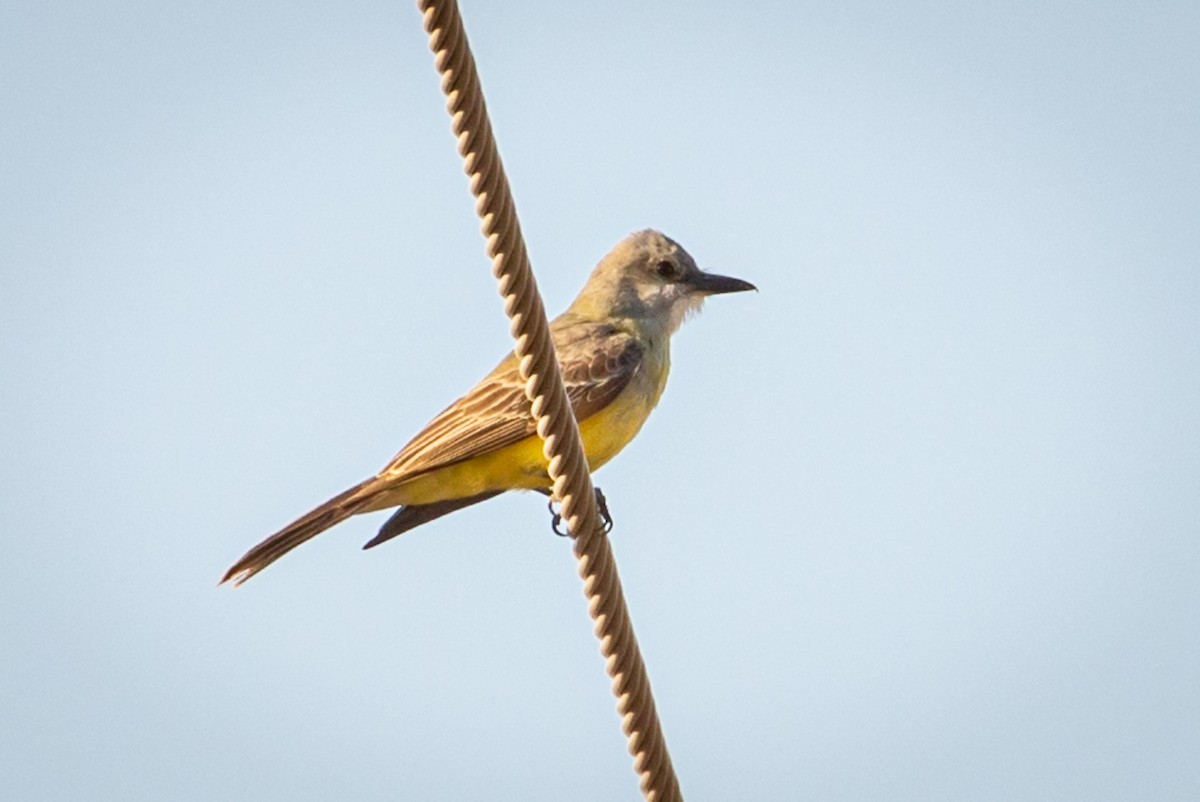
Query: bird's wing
x=597, y=361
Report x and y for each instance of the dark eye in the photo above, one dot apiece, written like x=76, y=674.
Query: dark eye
x=666, y=269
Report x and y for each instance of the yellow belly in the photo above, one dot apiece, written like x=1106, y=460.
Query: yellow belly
x=521, y=466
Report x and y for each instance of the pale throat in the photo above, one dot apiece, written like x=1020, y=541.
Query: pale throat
x=681, y=310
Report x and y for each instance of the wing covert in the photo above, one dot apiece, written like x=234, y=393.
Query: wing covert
x=597, y=361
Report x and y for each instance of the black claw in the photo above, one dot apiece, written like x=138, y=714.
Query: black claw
x=555, y=520
x=601, y=506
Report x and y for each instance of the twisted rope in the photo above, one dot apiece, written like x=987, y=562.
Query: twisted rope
x=556, y=425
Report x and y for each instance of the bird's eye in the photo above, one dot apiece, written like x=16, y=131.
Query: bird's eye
x=666, y=269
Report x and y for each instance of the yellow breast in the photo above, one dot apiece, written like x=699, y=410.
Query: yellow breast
x=521, y=466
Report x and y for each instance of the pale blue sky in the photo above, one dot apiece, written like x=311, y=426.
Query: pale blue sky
x=918, y=521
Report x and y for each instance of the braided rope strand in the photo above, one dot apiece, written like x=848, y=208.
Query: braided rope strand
x=556, y=424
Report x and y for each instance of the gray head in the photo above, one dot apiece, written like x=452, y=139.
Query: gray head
x=649, y=275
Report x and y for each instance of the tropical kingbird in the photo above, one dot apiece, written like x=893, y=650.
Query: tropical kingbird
x=613, y=350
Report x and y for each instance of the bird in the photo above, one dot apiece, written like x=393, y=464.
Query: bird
x=613, y=349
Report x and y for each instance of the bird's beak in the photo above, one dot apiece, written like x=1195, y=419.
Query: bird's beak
x=712, y=284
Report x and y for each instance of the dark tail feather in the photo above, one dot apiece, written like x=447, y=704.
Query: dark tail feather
x=408, y=517
x=337, y=509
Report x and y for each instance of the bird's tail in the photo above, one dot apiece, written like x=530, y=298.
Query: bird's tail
x=337, y=509
x=414, y=515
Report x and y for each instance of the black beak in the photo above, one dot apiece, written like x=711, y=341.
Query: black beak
x=712, y=284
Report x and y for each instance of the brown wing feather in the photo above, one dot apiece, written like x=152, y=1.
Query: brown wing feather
x=495, y=413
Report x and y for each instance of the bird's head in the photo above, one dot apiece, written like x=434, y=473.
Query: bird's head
x=650, y=276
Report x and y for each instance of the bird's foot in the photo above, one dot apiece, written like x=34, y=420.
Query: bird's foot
x=555, y=520
x=601, y=507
